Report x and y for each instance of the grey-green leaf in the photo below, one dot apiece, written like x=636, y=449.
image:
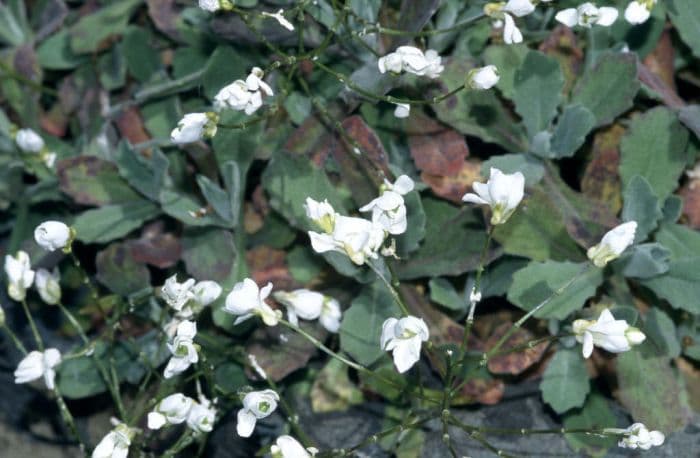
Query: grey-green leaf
x=565, y=383
x=538, y=85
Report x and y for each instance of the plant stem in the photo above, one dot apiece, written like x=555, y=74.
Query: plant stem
x=15, y=339
x=37, y=338
x=394, y=292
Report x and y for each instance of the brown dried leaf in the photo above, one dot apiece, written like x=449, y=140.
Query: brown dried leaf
x=454, y=187
x=600, y=179
x=563, y=46
x=156, y=247
x=131, y=126
x=516, y=362
x=691, y=202
x=54, y=121
x=268, y=265
x=441, y=154
x=165, y=15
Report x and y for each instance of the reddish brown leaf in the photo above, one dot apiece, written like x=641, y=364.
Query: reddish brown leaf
x=454, y=187
x=516, y=362
x=441, y=154
x=691, y=202
x=280, y=351
x=54, y=121
x=131, y=126
x=26, y=62
x=563, y=46
x=600, y=179
x=156, y=247
x=165, y=15
x=268, y=265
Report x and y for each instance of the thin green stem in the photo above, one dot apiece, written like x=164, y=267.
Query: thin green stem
x=424, y=33
x=10, y=72
x=387, y=432
x=15, y=339
x=35, y=332
x=475, y=294
x=68, y=419
x=394, y=292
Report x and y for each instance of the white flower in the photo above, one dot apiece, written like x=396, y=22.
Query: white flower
x=606, y=332
x=52, y=235
x=412, y=60
x=483, y=78
x=612, y=245
x=29, y=141
x=586, y=15
x=358, y=238
x=172, y=410
x=194, y=127
x=175, y=294
x=184, y=352
x=388, y=210
x=206, y=292
x=247, y=300
x=288, y=447
x=310, y=305
x=210, y=5
x=638, y=436
x=321, y=213
x=48, y=285
x=243, y=95
x=256, y=405
x=279, y=17
x=202, y=415
x=49, y=159
x=116, y=443
x=519, y=8
x=2, y=316
x=404, y=337
x=502, y=192
x=638, y=11
x=20, y=275
x=402, y=110
x=36, y=365
x=511, y=32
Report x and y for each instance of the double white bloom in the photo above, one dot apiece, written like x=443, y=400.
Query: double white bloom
x=183, y=349
x=638, y=436
x=638, y=11
x=194, y=127
x=615, y=336
x=311, y=305
x=116, y=443
x=54, y=235
x=247, y=300
x=48, y=285
x=256, y=406
x=189, y=298
x=20, y=275
x=388, y=210
x=404, y=338
x=412, y=60
x=288, y=447
x=178, y=408
x=39, y=364
x=587, y=15
x=612, y=245
x=483, y=78
x=244, y=95
x=502, y=192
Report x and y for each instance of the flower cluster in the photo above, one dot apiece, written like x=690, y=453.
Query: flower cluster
x=311, y=305
x=183, y=349
x=178, y=408
x=410, y=59
x=389, y=210
x=190, y=297
x=587, y=15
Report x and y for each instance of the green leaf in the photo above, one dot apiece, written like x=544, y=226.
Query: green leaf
x=290, y=179
x=680, y=286
x=216, y=197
x=595, y=414
x=538, y=85
x=142, y=60
x=186, y=209
x=655, y=148
x=90, y=180
x=361, y=328
x=118, y=271
x=641, y=205
x=508, y=59
x=573, y=125
x=144, y=173
x=685, y=15
x=54, y=53
x=478, y=113
x=661, y=332
x=112, y=68
x=410, y=240
x=541, y=280
x=690, y=117
x=209, y=253
x=443, y=293
x=230, y=378
x=652, y=391
x=565, y=383
x=452, y=243
x=608, y=89
x=91, y=30
x=217, y=73
x=644, y=261
x=304, y=264
x=113, y=221
x=683, y=241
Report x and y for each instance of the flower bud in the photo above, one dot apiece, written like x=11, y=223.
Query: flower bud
x=321, y=213
x=29, y=141
x=613, y=243
x=483, y=78
x=52, y=235
x=48, y=285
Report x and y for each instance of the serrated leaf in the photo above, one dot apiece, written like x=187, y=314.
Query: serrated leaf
x=565, y=383
x=654, y=138
x=538, y=84
x=540, y=280
x=608, y=89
